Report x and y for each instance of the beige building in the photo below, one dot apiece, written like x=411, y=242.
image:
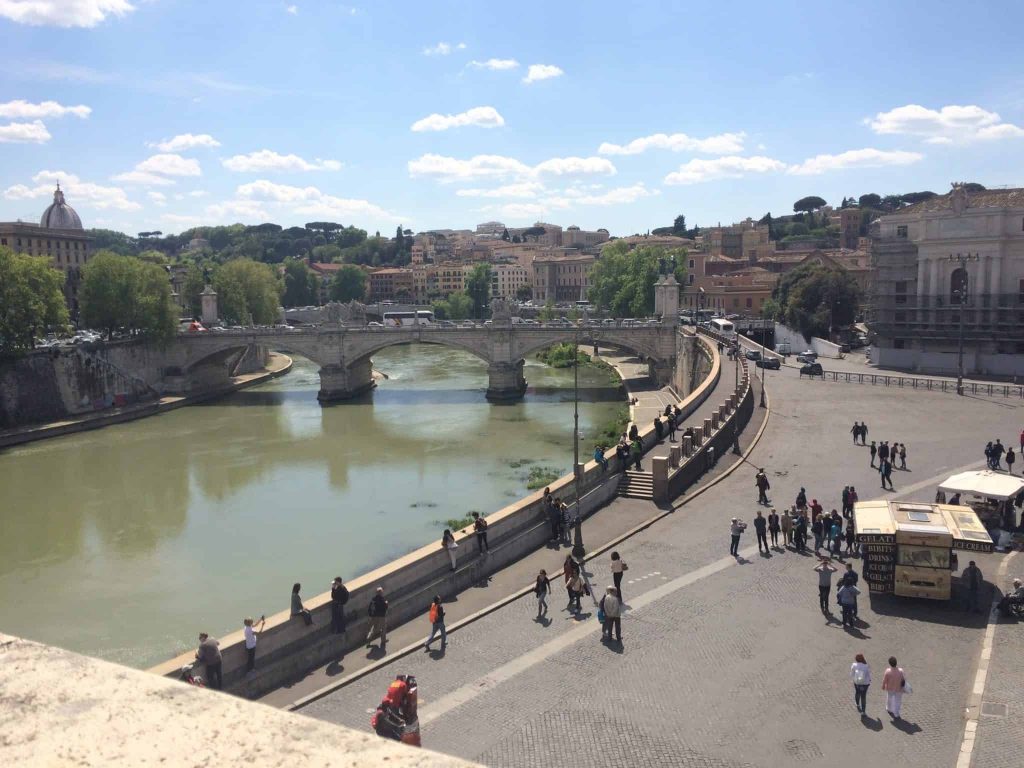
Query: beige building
x=507, y=279
x=574, y=237
x=561, y=278
x=59, y=236
x=746, y=241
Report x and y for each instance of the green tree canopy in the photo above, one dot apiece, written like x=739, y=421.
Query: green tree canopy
x=348, y=284
x=478, y=287
x=301, y=285
x=457, y=306
x=812, y=296
x=31, y=301
x=870, y=200
x=121, y=293
x=247, y=290
x=195, y=282
x=622, y=281
x=809, y=203
x=327, y=253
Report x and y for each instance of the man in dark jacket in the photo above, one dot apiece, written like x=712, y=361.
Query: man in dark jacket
x=761, y=481
x=761, y=528
x=339, y=596
x=378, y=612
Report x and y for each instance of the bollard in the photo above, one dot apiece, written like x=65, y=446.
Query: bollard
x=659, y=470
x=674, y=456
x=722, y=410
x=714, y=422
x=707, y=428
x=687, y=446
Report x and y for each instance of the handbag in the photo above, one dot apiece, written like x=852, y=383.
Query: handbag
x=600, y=615
x=907, y=690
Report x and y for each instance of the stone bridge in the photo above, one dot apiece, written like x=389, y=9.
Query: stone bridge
x=196, y=361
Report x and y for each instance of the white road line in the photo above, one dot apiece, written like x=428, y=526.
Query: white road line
x=585, y=629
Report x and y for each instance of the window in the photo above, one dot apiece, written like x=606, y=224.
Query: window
x=958, y=292
x=1020, y=287
x=901, y=317
x=901, y=230
x=898, y=344
x=692, y=263
x=735, y=302
x=750, y=303
x=901, y=291
x=689, y=281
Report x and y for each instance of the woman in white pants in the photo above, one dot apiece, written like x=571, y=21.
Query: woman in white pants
x=449, y=543
x=894, y=683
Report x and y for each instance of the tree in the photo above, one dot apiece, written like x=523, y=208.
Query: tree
x=679, y=225
x=31, y=301
x=478, y=287
x=813, y=298
x=399, y=240
x=327, y=254
x=622, y=281
x=911, y=198
x=767, y=219
x=516, y=239
x=870, y=200
x=972, y=186
x=247, y=291
x=120, y=293
x=348, y=284
x=505, y=236
x=524, y=292
x=301, y=285
x=534, y=232
x=808, y=204
x=457, y=306
x=195, y=283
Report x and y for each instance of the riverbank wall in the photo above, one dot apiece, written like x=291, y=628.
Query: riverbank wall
x=53, y=381
x=288, y=648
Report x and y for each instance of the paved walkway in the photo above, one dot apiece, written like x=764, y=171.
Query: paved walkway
x=725, y=662
x=612, y=521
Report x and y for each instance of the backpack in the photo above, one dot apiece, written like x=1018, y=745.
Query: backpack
x=433, y=613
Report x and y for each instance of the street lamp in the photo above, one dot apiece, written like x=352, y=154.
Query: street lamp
x=578, y=550
x=764, y=370
x=962, y=293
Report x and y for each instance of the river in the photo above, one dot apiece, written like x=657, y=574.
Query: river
x=125, y=542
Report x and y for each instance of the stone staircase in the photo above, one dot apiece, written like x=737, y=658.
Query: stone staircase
x=637, y=485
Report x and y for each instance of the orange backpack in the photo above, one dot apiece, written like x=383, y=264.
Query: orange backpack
x=433, y=613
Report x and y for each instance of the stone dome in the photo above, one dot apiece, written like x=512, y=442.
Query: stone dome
x=60, y=215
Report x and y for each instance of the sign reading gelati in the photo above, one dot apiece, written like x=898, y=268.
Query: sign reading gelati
x=876, y=538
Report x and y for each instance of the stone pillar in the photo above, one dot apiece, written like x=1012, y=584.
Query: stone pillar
x=660, y=371
x=659, y=469
x=344, y=382
x=714, y=420
x=707, y=428
x=209, y=306
x=666, y=299
x=674, y=455
x=687, y=445
x=995, y=277
x=505, y=381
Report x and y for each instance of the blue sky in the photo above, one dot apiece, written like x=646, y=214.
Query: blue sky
x=165, y=114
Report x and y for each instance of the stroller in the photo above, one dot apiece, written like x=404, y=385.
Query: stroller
x=396, y=717
x=188, y=677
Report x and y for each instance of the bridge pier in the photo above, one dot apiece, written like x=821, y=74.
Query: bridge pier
x=661, y=371
x=344, y=382
x=505, y=381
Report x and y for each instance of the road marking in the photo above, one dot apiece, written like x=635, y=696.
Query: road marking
x=586, y=629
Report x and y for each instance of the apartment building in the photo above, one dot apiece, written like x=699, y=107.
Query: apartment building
x=746, y=241
x=507, y=279
x=391, y=283
x=561, y=278
x=574, y=237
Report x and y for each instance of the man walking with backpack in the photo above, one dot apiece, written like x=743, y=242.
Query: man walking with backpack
x=480, y=526
x=437, y=624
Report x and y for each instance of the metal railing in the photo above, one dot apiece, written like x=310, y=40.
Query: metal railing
x=931, y=385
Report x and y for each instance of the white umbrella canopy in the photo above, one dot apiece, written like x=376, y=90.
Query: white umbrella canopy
x=992, y=485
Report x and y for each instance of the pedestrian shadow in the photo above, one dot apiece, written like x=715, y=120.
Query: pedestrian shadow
x=854, y=632
x=543, y=620
x=376, y=652
x=615, y=646
x=436, y=654
x=741, y=560
x=907, y=727
x=334, y=668
x=871, y=723
x=765, y=555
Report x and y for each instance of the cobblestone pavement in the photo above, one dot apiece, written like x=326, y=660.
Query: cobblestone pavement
x=726, y=662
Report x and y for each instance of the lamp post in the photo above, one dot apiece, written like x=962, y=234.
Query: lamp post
x=578, y=550
x=963, y=294
x=764, y=371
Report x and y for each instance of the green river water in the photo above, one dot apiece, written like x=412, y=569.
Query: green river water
x=125, y=542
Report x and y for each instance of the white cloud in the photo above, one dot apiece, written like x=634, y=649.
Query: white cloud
x=310, y=201
x=497, y=166
x=538, y=72
x=141, y=177
x=948, y=125
x=24, y=133
x=720, y=144
x=198, y=193
x=170, y=165
x=616, y=196
x=63, y=13
x=292, y=9
x=729, y=167
x=248, y=210
x=854, y=158
x=158, y=198
x=268, y=160
x=521, y=189
x=495, y=65
x=483, y=117
x=184, y=141
x=24, y=110
x=78, y=192
x=443, y=49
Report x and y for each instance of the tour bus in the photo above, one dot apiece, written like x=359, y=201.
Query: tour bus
x=399, y=319
x=909, y=549
x=723, y=326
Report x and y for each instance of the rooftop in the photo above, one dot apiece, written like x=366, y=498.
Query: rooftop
x=990, y=198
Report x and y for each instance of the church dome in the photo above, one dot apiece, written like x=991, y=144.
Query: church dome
x=60, y=215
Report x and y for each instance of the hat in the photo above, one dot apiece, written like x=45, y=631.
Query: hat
x=734, y=520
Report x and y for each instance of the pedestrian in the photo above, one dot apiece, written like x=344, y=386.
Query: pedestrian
x=1022, y=441
x=298, y=609
x=208, y=654
x=815, y=508
x=894, y=683
x=883, y=451
x=846, y=498
x=600, y=459
x=659, y=428
x=619, y=566
x=824, y=569
x=575, y=587
x=763, y=486
x=761, y=529
x=873, y=450
x=736, y=530
x=800, y=533
x=773, y=527
x=480, y=526
x=449, y=545
x=542, y=588
x=1010, y=459
x=863, y=432
x=817, y=530
x=570, y=568
x=634, y=432
x=997, y=454
x=339, y=596
x=988, y=454
x=611, y=609
x=860, y=674
x=787, y=527
x=636, y=451
x=855, y=431
x=378, y=613
x=251, y=636
x=972, y=578
x=903, y=456
x=854, y=498
x=837, y=536
x=801, y=499
x=671, y=427
x=847, y=596
x=554, y=514
x=885, y=471
x=851, y=578
x=851, y=539
x=436, y=616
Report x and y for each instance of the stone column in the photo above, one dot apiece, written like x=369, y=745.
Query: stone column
x=659, y=470
x=995, y=277
x=344, y=382
x=935, y=291
x=209, y=306
x=666, y=299
x=505, y=381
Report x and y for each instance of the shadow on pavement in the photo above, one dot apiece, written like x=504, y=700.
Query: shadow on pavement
x=948, y=612
x=907, y=727
x=871, y=723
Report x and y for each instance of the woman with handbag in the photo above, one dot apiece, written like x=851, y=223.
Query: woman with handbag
x=860, y=674
x=618, y=566
x=450, y=545
x=610, y=614
x=895, y=684
x=575, y=589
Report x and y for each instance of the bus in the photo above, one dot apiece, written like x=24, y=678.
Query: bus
x=723, y=327
x=910, y=549
x=400, y=319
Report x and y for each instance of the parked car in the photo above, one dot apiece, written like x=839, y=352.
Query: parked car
x=807, y=356
x=771, y=363
x=445, y=324
x=812, y=369
x=752, y=354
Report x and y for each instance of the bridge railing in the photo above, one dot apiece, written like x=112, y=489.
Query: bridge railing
x=928, y=384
